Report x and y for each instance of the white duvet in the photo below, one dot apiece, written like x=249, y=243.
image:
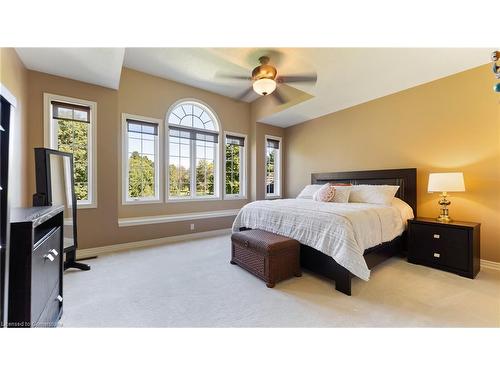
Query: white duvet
x=341, y=230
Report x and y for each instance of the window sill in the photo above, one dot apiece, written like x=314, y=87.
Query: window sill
x=81, y=206
x=271, y=197
x=235, y=197
x=184, y=200
x=139, y=201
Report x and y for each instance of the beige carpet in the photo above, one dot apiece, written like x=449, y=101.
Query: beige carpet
x=192, y=284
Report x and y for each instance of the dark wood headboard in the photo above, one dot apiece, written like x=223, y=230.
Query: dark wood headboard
x=405, y=178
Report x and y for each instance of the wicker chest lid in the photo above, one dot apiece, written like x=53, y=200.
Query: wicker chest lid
x=263, y=240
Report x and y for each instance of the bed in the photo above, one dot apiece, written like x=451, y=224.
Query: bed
x=358, y=236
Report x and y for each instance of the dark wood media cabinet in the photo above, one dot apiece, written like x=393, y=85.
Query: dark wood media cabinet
x=36, y=267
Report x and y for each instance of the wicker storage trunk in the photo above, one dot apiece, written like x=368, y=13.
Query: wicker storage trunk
x=268, y=256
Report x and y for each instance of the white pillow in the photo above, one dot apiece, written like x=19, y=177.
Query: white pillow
x=308, y=191
x=378, y=194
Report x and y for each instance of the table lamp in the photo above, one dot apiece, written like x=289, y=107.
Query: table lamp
x=445, y=183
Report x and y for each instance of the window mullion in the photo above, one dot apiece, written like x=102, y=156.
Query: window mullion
x=141, y=176
x=240, y=175
x=231, y=177
x=232, y=168
x=90, y=182
x=277, y=162
x=193, y=167
x=205, y=172
x=127, y=168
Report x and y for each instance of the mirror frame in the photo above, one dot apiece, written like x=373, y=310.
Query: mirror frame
x=44, y=189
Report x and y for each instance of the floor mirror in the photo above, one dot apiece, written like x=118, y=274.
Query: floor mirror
x=55, y=186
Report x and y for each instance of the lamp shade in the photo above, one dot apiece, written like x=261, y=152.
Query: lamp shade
x=446, y=182
x=264, y=86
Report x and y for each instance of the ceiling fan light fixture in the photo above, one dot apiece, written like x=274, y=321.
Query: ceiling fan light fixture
x=264, y=86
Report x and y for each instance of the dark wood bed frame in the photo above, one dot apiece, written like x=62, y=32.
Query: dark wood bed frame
x=325, y=265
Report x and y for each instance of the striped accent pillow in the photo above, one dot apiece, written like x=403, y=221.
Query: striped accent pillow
x=325, y=194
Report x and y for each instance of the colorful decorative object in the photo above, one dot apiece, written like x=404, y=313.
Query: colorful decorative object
x=495, y=56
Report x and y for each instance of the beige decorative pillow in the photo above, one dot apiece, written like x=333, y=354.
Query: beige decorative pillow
x=342, y=193
x=325, y=194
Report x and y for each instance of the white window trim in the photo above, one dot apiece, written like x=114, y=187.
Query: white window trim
x=217, y=156
x=50, y=139
x=158, y=155
x=277, y=195
x=4, y=91
x=243, y=179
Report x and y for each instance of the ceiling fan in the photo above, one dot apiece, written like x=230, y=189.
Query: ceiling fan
x=266, y=80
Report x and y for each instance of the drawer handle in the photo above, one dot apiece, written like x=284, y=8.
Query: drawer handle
x=49, y=257
x=437, y=236
x=59, y=298
x=54, y=251
x=437, y=255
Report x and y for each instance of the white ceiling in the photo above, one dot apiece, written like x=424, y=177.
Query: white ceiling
x=192, y=66
x=99, y=66
x=351, y=76
x=346, y=76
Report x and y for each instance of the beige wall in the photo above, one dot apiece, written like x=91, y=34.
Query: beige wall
x=145, y=95
x=260, y=107
x=234, y=116
x=98, y=226
x=261, y=131
x=451, y=124
x=14, y=76
x=139, y=94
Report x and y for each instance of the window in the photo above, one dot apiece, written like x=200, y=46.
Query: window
x=140, y=159
x=235, y=166
x=193, y=136
x=70, y=127
x=273, y=166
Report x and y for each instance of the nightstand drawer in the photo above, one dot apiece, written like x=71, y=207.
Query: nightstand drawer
x=440, y=245
x=446, y=237
x=428, y=253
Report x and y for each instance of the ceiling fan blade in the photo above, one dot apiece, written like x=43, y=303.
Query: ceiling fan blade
x=232, y=76
x=245, y=93
x=278, y=96
x=311, y=77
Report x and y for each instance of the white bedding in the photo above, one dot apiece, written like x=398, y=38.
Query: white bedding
x=341, y=230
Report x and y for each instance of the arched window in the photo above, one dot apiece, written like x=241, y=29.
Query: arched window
x=193, y=137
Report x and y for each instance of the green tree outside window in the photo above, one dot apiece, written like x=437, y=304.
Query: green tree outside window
x=73, y=137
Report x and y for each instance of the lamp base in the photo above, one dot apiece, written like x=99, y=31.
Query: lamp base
x=444, y=203
x=444, y=219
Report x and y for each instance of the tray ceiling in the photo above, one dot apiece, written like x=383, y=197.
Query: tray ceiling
x=346, y=76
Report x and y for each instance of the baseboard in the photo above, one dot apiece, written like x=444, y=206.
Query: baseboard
x=490, y=264
x=146, y=220
x=95, y=251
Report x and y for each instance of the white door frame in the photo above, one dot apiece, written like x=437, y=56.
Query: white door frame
x=4, y=91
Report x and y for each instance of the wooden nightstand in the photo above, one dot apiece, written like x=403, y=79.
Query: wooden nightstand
x=452, y=247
